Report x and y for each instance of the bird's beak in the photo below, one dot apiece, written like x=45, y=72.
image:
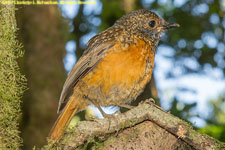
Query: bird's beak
x=169, y=26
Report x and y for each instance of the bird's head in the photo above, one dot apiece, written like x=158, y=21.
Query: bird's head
x=146, y=23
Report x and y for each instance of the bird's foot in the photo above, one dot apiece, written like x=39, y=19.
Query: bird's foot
x=148, y=101
x=151, y=101
x=126, y=106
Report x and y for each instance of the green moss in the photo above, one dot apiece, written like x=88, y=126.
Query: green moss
x=92, y=144
x=12, y=83
x=52, y=145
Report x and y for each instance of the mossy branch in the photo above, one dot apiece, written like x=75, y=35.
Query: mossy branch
x=12, y=83
x=133, y=127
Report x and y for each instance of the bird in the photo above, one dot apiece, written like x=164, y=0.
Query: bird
x=114, y=68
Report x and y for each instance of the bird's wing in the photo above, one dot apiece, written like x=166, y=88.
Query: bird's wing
x=94, y=52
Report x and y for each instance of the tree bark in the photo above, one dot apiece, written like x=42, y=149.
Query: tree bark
x=146, y=126
x=41, y=31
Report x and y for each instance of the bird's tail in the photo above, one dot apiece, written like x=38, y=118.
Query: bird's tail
x=72, y=106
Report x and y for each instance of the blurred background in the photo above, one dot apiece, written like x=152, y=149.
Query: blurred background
x=188, y=79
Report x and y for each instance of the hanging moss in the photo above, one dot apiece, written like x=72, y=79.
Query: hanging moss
x=12, y=83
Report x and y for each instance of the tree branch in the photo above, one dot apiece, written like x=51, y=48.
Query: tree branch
x=141, y=122
x=12, y=82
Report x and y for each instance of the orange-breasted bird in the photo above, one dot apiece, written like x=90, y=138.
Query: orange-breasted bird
x=115, y=67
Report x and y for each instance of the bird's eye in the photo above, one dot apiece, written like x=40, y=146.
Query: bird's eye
x=152, y=23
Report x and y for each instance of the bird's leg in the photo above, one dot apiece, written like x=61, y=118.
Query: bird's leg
x=100, y=109
x=102, y=112
x=150, y=100
x=109, y=116
x=94, y=102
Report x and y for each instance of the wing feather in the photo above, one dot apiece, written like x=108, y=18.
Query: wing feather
x=85, y=64
x=97, y=48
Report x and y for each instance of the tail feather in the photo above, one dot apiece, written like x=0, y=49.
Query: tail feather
x=64, y=118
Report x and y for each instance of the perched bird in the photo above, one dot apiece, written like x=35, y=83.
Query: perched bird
x=115, y=67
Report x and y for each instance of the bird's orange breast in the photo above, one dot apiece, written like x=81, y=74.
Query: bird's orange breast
x=122, y=68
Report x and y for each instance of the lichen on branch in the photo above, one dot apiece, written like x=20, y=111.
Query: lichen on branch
x=12, y=83
x=143, y=127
